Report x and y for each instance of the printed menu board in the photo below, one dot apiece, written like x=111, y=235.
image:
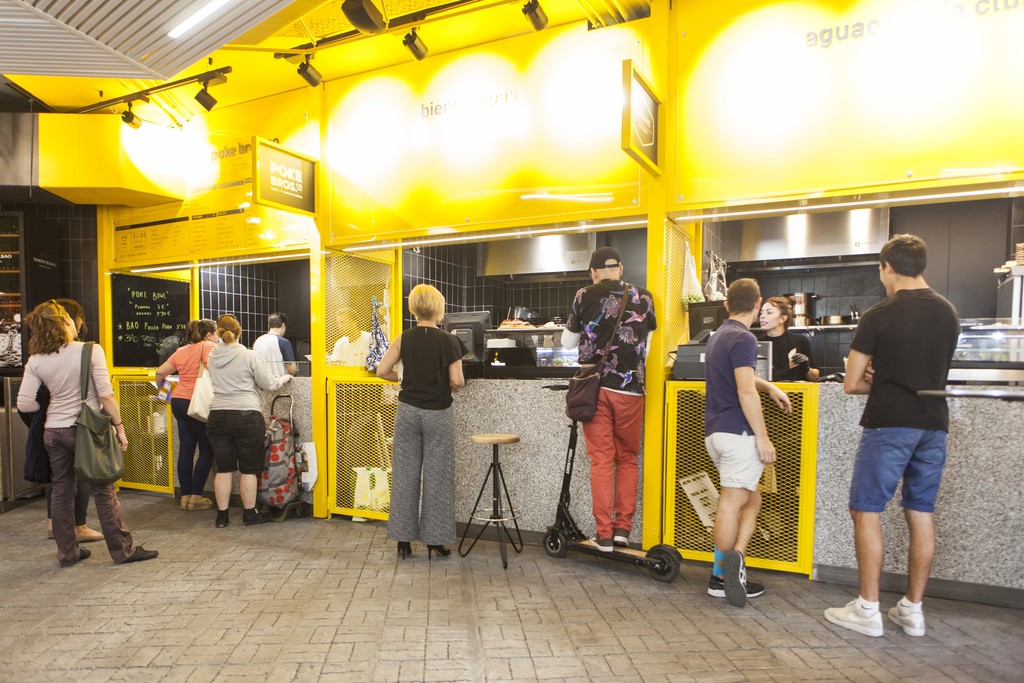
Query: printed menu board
x=140, y=241
x=150, y=317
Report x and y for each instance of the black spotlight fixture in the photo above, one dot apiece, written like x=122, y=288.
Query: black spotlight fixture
x=415, y=45
x=130, y=119
x=309, y=74
x=204, y=98
x=364, y=16
x=535, y=13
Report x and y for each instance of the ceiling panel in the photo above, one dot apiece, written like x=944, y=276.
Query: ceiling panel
x=125, y=38
x=37, y=50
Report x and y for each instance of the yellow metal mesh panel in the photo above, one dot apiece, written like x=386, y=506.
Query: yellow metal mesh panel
x=350, y=283
x=147, y=424
x=674, y=319
x=777, y=538
x=364, y=417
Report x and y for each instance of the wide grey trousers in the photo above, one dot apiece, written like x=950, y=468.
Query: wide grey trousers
x=423, y=476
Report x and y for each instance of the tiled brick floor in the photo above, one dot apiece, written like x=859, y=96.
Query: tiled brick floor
x=310, y=600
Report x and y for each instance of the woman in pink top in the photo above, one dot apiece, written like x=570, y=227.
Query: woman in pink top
x=191, y=432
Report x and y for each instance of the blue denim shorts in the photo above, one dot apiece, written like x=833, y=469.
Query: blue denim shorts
x=888, y=454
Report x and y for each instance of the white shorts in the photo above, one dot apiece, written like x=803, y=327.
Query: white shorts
x=735, y=456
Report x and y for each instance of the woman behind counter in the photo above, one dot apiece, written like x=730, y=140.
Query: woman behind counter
x=56, y=361
x=423, y=476
x=191, y=432
x=236, y=425
x=791, y=353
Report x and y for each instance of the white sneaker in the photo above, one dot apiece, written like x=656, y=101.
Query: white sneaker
x=910, y=617
x=854, y=618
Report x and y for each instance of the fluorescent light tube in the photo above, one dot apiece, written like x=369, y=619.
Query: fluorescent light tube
x=199, y=16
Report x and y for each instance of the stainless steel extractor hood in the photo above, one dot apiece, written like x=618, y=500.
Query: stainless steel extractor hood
x=545, y=258
x=848, y=234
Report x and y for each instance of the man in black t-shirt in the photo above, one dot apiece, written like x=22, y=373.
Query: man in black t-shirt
x=902, y=345
x=614, y=436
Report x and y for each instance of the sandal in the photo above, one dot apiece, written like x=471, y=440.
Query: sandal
x=200, y=503
x=186, y=501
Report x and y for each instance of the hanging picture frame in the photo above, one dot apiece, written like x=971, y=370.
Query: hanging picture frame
x=641, y=118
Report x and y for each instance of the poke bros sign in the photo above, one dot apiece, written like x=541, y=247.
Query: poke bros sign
x=284, y=179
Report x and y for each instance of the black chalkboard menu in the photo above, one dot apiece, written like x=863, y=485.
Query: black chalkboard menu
x=150, y=317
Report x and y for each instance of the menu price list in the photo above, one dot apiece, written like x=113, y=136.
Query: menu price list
x=151, y=315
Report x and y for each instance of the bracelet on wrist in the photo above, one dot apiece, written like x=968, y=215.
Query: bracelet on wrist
x=117, y=424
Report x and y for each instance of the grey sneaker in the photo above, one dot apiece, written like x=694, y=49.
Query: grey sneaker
x=854, y=618
x=605, y=545
x=910, y=617
x=735, y=578
x=621, y=537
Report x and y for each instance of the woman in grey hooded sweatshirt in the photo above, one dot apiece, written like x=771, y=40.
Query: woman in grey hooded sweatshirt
x=236, y=424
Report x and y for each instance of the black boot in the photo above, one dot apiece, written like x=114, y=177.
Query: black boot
x=404, y=549
x=223, y=519
x=254, y=516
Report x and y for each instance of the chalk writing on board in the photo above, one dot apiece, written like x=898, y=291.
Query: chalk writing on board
x=150, y=317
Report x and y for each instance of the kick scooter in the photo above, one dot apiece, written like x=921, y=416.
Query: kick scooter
x=662, y=560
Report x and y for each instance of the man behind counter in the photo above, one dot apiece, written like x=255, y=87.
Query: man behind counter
x=613, y=436
x=274, y=348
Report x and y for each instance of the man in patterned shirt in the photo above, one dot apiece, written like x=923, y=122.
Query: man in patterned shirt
x=613, y=437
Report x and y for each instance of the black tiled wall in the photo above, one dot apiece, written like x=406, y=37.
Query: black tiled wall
x=839, y=288
x=453, y=270
x=78, y=270
x=248, y=292
x=829, y=347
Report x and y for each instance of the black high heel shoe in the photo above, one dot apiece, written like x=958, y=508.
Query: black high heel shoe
x=404, y=549
x=439, y=549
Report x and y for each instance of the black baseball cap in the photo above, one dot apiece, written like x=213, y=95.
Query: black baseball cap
x=605, y=257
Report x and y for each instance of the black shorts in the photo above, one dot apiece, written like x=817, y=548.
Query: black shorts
x=238, y=440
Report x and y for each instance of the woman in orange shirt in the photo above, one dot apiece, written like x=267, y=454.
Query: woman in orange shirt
x=191, y=432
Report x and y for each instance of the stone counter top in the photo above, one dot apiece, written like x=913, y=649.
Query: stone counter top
x=979, y=515
x=533, y=467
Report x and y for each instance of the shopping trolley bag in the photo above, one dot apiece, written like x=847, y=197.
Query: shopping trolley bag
x=278, y=484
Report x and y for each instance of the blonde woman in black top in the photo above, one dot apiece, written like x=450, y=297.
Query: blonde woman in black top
x=423, y=465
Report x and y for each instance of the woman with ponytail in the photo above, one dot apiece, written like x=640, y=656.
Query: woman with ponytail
x=236, y=425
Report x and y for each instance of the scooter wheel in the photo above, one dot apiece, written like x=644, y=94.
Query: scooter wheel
x=664, y=562
x=555, y=543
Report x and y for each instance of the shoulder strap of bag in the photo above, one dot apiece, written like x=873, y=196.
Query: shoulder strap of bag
x=199, y=372
x=86, y=367
x=622, y=311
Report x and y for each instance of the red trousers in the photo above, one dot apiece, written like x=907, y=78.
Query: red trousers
x=613, y=441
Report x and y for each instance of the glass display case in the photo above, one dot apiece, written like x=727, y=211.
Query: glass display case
x=990, y=350
x=527, y=352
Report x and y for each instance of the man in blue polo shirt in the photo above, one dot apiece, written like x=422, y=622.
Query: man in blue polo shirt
x=737, y=439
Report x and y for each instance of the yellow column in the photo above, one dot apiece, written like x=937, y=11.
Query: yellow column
x=657, y=68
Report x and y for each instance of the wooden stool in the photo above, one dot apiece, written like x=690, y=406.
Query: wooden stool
x=498, y=516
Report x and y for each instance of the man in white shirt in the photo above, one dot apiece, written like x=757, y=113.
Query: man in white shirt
x=274, y=348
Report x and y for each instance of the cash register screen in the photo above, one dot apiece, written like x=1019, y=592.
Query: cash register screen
x=469, y=326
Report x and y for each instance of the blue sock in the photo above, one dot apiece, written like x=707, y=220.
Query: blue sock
x=717, y=570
